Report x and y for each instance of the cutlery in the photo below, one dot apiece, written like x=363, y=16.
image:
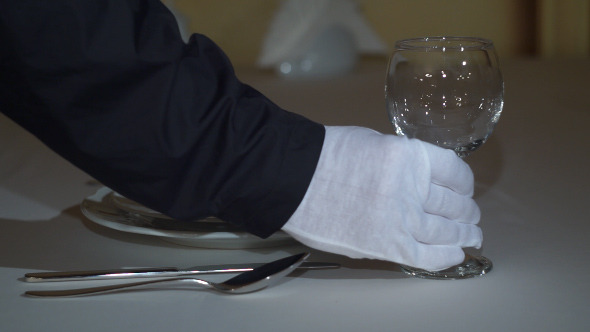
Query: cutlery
x=246, y=282
x=158, y=272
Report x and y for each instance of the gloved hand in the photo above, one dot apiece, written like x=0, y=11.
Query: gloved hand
x=390, y=198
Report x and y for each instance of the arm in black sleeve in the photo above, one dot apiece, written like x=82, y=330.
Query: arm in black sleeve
x=110, y=86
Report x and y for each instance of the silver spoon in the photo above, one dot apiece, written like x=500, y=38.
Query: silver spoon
x=250, y=281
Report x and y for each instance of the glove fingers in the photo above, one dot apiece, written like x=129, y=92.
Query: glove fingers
x=451, y=205
x=449, y=170
x=436, y=257
x=436, y=230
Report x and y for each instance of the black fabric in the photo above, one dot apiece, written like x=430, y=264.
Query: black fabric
x=110, y=86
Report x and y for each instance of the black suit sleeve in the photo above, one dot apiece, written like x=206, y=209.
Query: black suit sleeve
x=110, y=86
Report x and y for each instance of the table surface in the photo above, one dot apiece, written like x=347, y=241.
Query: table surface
x=532, y=187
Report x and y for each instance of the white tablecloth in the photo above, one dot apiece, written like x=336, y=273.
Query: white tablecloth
x=532, y=187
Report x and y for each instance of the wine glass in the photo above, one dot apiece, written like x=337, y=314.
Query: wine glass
x=447, y=91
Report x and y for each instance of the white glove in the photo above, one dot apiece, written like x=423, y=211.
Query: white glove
x=390, y=198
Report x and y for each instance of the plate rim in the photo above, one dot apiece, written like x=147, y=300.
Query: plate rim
x=182, y=236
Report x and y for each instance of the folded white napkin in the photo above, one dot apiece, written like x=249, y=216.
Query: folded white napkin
x=317, y=38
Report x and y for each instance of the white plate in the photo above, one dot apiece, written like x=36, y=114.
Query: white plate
x=114, y=211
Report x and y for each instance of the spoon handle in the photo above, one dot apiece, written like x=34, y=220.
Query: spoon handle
x=109, y=288
x=163, y=272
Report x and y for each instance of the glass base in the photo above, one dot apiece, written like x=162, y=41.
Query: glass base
x=472, y=266
x=464, y=151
